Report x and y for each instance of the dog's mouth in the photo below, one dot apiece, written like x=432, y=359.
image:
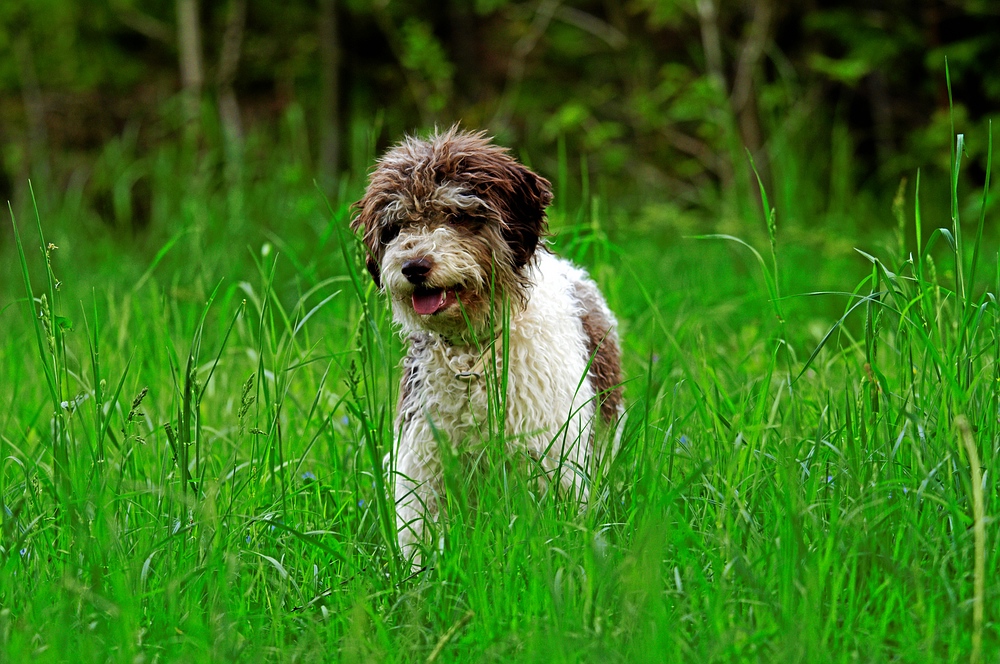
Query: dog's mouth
x=429, y=301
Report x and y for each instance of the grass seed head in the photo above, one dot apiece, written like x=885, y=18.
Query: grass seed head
x=136, y=402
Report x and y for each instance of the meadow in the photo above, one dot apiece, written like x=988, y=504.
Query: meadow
x=193, y=419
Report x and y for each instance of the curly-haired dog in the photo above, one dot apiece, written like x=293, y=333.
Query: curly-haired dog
x=452, y=226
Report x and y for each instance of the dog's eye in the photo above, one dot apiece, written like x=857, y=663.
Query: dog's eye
x=389, y=233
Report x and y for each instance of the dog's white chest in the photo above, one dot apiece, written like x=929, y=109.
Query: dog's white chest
x=458, y=386
x=533, y=386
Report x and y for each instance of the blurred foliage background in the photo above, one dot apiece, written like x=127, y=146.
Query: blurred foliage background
x=655, y=101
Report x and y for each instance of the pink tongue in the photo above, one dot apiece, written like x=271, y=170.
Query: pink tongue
x=428, y=302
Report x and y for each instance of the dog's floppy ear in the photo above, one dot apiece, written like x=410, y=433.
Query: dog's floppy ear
x=518, y=195
x=366, y=222
x=525, y=222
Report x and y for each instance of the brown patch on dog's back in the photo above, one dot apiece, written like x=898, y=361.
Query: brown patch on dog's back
x=603, y=352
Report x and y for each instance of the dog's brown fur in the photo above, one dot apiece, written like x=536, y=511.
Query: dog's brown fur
x=602, y=351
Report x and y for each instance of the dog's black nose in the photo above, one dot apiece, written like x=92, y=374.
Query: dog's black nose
x=416, y=270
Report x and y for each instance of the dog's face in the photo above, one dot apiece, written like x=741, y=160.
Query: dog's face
x=451, y=225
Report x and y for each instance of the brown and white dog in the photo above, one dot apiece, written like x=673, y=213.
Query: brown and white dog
x=452, y=226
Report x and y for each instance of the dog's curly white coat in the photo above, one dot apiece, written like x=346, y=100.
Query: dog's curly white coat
x=550, y=405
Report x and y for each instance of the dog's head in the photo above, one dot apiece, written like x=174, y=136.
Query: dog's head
x=451, y=224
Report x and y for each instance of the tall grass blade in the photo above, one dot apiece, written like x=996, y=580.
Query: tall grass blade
x=984, y=205
x=979, y=535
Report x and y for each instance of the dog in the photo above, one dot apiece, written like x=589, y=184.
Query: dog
x=454, y=230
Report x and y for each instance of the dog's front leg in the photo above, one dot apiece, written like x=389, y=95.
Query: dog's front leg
x=417, y=475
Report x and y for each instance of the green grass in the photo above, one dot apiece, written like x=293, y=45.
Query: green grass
x=192, y=424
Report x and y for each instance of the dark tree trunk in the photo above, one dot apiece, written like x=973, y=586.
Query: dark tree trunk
x=229, y=60
x=34, y=107
x=744, y=97
x=190, y=60
x=329, y=102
